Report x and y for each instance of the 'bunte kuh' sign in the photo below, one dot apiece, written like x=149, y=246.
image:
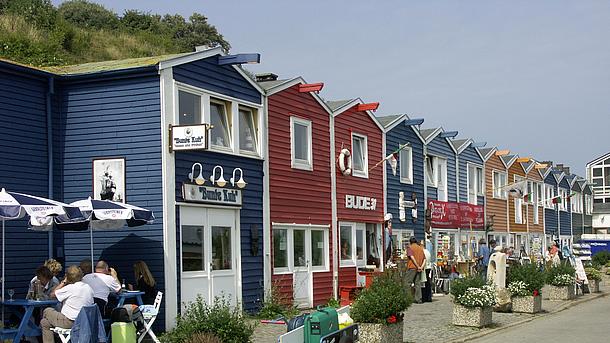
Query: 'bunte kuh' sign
x=192, y=137
x=211, y=195
x=453, y=215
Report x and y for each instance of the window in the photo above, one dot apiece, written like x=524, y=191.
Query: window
x=360, y=244
x=280, y=248
x=318, y=248
x=475, y=183
x=431, y=170
x=248, y=130
x=406, y=165
x=576, y=202
x=189, y=108
x=538, y=199
x=563, y=199
x=518, y=204
x=221, y=248
x=530, y=192
x=346, y=243
x=298, y=248
x=360, y=164
x=549, y=195
x=353, y=244
x=499, y=182
x=300, y=140
x=220, y=134
x=441, y=178
x=588, y=204
x=192, y=248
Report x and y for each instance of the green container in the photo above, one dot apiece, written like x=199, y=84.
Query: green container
x=319, y=324
x=123, y=333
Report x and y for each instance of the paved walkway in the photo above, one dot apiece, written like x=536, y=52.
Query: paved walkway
x=431, y=322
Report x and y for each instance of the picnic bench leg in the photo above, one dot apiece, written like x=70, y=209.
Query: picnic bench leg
x=139, y=300
x=25, y=323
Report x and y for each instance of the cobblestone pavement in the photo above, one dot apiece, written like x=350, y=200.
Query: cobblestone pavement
x=429, y=322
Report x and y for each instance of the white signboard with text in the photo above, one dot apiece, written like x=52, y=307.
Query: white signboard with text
x=191, y=137
x=211, y=195
x=360, y=202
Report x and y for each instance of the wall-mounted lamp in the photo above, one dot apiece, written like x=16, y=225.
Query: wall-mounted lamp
x=199, y=179
x=220, y=182
x=241, y=183
x=239, y=59
x=449, y=134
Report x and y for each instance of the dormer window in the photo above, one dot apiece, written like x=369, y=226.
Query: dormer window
x=220, y=134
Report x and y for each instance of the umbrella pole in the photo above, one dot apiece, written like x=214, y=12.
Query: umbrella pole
x=2, y=273
x=91, y=241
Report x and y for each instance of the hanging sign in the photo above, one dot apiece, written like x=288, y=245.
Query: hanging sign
x=211, y=195
x=453, y=215
x=360, y=202
x=192, y=137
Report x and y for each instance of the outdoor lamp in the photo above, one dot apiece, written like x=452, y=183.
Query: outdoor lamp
x=199, y=179
x=221, y=182
x=241, y=183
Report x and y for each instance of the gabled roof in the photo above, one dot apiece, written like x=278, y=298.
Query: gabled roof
x=339, y=106
x=460, y=144
x=97, y=67
x=486, y=153
x=391, y=121
x=272, y=87
x=599, y=159
x=429, y=134
x=558, y=174
x=508, y=160
x=527, y=166
x=388, y=120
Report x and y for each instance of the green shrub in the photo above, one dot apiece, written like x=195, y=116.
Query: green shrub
x=332, y=302
x=460, y=286
x=203, y=338
x=530, y=274
x=276, y=305
x=555, y=274
x=601, y=258
x=593, y=274
x=221, y=319
x=384, y=298
x=86, y=14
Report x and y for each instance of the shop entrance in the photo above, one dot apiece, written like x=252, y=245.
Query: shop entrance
x=209, y=247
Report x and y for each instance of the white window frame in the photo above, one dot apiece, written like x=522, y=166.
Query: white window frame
x=538, y=200
x=406, y=153
x=549, y=194
x=518, y=203
x=301, y=164
x=290, y=248
x=354, y=260
x=254, y=117
x=563, y=194
x=442, y=172
x=499, y=189
x=232, y=106
x=476, y=182
x=431, y=162
x=228, y=106
x=365, y=159
x=588, y=203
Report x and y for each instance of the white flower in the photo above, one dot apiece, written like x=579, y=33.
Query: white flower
x=518, y=288
x=563, y=280
x=478, y=297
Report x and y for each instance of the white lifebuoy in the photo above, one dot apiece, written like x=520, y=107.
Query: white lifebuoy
x=345, y=154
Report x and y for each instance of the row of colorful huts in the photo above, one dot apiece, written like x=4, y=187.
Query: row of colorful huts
x=285, y=190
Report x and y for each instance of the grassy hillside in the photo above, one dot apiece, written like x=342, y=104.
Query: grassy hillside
x=37, y=33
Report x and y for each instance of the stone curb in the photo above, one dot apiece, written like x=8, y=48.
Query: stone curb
x=527, y=320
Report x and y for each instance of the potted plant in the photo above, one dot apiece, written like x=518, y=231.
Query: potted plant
x=561, y=281
x=473, y=301
x=378, y=309
x=525, y=283
x=594, y=276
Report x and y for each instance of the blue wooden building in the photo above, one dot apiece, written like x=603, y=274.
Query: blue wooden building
x=404, y=190
x=208, y=203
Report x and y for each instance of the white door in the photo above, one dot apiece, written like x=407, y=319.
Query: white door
x=209, y=247
x=302, y=279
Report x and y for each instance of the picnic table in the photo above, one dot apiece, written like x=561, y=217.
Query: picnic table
x=24, y=309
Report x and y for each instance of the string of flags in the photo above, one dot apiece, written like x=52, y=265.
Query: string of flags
x=392, y=158
x=519, y=189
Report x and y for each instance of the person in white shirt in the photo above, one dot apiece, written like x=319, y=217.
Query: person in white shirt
x=103, y=281
x=73, y=294
x=427, y=289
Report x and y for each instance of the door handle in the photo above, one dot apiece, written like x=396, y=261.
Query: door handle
x=211, y=266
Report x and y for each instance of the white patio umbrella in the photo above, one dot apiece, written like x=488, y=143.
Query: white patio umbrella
x=40, y=210
x=103, y=215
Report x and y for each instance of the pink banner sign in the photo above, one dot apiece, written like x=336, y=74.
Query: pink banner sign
x=453, y=215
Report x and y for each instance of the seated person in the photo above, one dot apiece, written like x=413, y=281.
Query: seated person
x=43, y=282
x=73, y=294
x=55, y=268
x=145, y=282
x=85, y=266
x=103, y=281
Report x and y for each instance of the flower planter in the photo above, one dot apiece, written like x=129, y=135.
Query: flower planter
x=527, y=304
x=593, y=286
x=561, y=292
x=471, y=316
x=381, y=333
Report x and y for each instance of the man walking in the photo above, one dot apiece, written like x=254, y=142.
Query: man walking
x=483, y=257
x=415, y=266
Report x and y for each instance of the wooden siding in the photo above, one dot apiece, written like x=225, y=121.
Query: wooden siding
x=24, y=169
x=469, y=155
x=534, y=176
x=440, y=147
x=495, y=207
x=251, y=213
x=565, y=217
x=108, y=118
x=551, y=217
x=207, y=74
x=296, y=195
x=516, y=170
x=399, y=135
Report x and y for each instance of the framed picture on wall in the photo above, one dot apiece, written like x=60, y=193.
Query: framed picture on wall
x=109, y=179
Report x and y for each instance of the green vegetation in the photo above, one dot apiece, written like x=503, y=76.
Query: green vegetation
x=383, y=302
x=593, y=274
x=560, y=275
x=600, y=259
x=220, y=320
x=37, y=33
x=276, y=305
x=530, y=274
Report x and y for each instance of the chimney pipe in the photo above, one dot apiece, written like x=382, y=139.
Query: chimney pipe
x=266, y=77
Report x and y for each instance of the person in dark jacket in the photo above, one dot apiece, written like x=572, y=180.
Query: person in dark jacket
x=145, y=282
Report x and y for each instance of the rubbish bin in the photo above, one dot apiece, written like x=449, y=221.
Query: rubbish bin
x=123, y=333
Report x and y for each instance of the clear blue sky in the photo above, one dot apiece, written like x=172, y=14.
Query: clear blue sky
x=529, y=76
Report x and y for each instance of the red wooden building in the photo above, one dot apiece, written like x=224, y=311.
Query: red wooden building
x=359, y=188
x=300, y=192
